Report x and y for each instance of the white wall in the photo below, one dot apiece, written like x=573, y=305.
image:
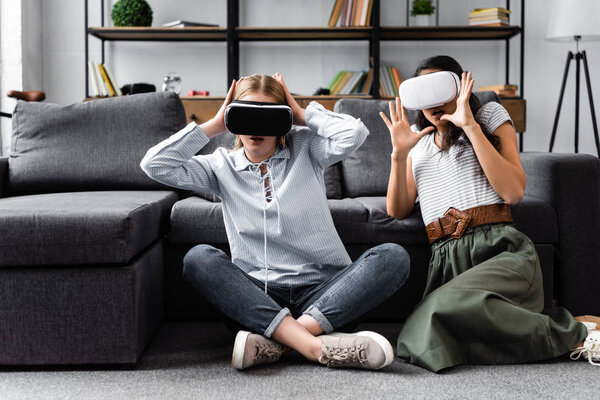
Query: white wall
x=20, y=55
x=309, y=65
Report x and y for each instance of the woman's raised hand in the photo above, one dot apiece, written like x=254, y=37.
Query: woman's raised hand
x=299, y=112
x=463, y=116
x=219, y=119
x=403, y=138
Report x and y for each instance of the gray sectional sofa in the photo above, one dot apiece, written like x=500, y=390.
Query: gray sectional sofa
x=91, y=249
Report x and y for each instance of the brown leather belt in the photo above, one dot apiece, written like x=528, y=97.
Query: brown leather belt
x=455, y=222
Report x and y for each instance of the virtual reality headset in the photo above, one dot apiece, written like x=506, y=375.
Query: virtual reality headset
x=429, y=90
x=258, y=119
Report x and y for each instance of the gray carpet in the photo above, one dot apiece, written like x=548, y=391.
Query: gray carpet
x=192, y=361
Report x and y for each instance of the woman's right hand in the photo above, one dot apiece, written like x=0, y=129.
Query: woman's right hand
x=403, y=138
x=216, y=125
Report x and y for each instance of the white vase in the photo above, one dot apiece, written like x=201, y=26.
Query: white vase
x=422, y=20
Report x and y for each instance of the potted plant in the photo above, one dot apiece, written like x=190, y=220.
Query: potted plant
x=422, y=9
x=131, y=13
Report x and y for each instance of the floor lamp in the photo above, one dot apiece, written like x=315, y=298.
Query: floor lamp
x=575, y=20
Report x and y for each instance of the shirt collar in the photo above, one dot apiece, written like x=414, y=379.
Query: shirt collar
x=241, y=162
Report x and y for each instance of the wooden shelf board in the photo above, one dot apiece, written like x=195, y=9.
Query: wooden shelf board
x=160, y=33
x=448, y=32
x=304, y=33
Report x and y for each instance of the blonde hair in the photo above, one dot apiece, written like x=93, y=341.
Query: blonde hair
x=262, y=84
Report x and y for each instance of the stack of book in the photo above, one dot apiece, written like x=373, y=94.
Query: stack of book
x=351, y=82
x=103, y=81
x=360, y=82
x=351, y=13
x=501, y=90
x=496, y=16
x=389, y=81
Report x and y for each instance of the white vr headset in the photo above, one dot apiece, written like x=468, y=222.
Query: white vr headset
x=429, y=90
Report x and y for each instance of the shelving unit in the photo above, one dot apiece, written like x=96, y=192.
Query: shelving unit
x=233, y=34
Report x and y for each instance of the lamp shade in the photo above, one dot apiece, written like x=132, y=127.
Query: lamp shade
x=570, y=18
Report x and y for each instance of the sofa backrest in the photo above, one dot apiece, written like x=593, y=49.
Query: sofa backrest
x=95, y=145
x=366, y=171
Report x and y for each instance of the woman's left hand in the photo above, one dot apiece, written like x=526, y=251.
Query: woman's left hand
x=462, y=116
x=298, y=111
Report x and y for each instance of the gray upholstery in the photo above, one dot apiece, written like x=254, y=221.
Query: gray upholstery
x=96, y=145
x=3, y=174
x=86, y=315
x=81, y=228
x=197, y=220
x=361, y=220
x=365, y=174
x=571, y=184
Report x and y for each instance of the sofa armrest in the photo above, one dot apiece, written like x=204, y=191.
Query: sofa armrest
x=571, y=183
x=3, y=174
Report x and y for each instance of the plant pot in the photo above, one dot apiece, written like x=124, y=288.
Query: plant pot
x=422, y=20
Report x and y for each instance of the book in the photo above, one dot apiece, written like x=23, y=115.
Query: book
x=345, y=76
x=111, y=90
x=334, y=80
x=397, y=79
x=366, y=86
x=366, y=15
x=336, y=12
x=352, y=83
x=348, y=15
x=185, y=24
x=489, y=23
x=483, y=11
x=101, y=84
x=111, y=78
x=93, y=78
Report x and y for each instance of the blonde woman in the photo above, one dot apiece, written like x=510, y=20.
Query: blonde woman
x=290, y=280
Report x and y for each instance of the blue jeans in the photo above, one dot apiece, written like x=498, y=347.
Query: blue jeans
x=341, y=299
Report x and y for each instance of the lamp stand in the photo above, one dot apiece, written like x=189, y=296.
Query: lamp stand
x=578, y=56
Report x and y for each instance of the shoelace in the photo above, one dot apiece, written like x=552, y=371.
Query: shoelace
x=268, y=351
x=589, y=350
x=268, y=187
x=339, y=356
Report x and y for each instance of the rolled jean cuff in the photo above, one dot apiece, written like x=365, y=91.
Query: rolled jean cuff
x=276, y=321
x=320, y=318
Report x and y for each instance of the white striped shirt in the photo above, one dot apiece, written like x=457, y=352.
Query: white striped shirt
x=302, y=244
x=455, y=178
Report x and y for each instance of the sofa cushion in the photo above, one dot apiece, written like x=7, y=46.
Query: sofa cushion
x=81, y=228
x=537, y=219
x=362, y=220
x=96, y=145
x=196, y=220
x=365, y=172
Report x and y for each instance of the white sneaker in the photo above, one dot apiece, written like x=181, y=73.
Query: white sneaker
x=590, y=349
x=368, y=350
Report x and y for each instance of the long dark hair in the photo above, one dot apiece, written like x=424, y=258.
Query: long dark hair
x=447, y=63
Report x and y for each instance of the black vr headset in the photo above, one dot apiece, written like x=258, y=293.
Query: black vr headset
x=257, y=118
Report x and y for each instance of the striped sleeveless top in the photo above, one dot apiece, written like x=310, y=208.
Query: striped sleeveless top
x=454, y=178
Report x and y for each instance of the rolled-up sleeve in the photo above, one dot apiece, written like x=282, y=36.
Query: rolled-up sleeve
x=173, y=161
x=335, y=135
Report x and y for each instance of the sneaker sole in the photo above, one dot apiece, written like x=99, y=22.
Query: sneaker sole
x=239, y=346
x=591, y=322
x=388, y=350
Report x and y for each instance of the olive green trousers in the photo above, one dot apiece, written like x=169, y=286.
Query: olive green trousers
x=482, y=305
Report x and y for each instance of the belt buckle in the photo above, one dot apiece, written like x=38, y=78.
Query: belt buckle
x=460, y=223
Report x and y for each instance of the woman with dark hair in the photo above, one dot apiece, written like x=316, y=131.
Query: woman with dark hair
x=484, y=291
